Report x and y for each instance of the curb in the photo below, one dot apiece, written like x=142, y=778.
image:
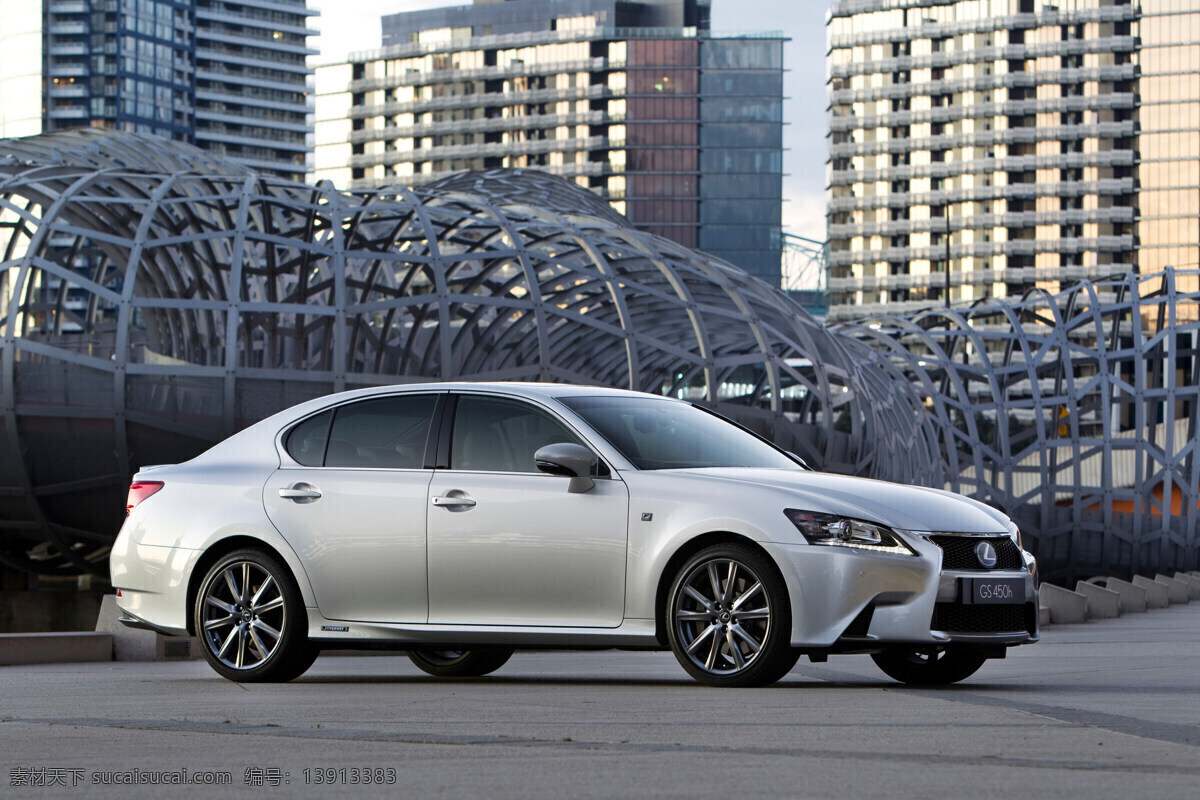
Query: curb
x=54, y=648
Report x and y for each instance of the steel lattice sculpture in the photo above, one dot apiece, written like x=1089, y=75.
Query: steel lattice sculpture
x=1076, y=413
x=157, y=298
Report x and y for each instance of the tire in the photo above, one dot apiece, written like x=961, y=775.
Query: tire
x=250, y=620
x=715, y=636
x=936, y=666
x=460, y=663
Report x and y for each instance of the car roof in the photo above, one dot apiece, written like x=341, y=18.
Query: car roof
x=517, y=388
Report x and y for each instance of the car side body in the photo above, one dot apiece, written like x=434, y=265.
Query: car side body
x=430, y=550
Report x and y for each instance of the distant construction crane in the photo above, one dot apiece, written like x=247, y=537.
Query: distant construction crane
x=805, y=263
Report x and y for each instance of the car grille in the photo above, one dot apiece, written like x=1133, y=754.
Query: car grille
x=958, y=618
x=958, y=552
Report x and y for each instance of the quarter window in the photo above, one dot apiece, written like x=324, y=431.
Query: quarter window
x=306, y=442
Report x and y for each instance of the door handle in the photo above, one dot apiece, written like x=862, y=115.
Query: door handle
x=300, y=491
x=446, y=500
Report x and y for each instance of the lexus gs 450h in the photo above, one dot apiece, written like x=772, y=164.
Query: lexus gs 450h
x=459, y=522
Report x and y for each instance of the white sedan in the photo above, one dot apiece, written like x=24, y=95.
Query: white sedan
x=459, y=522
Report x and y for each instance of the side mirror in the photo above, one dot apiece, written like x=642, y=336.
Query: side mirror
x=570, y=460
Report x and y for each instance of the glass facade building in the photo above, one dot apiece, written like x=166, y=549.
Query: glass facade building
x=988, y=147
x=680, y=130
x=227, y=75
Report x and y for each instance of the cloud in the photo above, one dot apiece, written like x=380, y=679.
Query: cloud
x=804, y=214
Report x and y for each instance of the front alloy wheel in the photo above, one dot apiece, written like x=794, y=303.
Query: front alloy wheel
x=728, y=618
x=250, y=620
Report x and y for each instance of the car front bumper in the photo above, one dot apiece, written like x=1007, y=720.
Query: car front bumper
x=857, y=601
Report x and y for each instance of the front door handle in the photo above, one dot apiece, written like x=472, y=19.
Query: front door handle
x=447, y=500
x=300, y=492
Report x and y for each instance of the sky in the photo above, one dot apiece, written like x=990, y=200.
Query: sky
x=348, y=26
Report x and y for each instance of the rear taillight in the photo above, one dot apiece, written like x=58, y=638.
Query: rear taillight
x=139, y=491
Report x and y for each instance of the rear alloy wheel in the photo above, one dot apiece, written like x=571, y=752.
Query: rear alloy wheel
x=728, y=618
x=460, y=663
x=934, y=666
x=250, y=620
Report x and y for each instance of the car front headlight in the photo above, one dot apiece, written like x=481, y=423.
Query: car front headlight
x=837, y=531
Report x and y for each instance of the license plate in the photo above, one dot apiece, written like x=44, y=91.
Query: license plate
x=993, y=591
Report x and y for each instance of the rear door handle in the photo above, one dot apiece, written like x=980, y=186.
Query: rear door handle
x=300, y=491
x=446, y=500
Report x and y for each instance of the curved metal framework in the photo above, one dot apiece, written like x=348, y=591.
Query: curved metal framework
x=156, y=299
x=1075, y=412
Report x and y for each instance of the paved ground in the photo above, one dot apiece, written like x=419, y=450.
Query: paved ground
x=1107, y=709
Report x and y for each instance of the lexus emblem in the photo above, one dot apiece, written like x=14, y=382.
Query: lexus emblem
x=986, y=555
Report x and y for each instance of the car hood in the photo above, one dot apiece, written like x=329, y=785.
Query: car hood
x=912, y=508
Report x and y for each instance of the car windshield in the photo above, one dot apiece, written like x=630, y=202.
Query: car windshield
x=661, y=434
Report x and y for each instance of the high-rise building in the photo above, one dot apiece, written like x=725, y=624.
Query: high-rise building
x=987, y=147
x=227, y=75
x=680, y=129
x=251, y=82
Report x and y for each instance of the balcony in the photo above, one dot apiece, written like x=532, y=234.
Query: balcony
x=533, y=97
x=1065, y=133
x=467, y=151
x=982, y=24
x=533, y=122
x=986, y=222
x=1020, y=191
x=225, y=55
x=1011, y=108
x=263, y=138
x=1015, y=247
x=562, y=170
x=985, y=55
x=253, y=99
x=257, y=118
x=983, y=166
x=253, y=43
x=515, y=70
x=985, y=83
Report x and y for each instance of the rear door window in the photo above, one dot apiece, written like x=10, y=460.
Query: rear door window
x=386, y=433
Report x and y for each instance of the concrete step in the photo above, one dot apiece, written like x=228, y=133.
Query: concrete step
x=1157, y=595
x=1066, y=607
x=1133, y=598
x=1102, y=603
x=134, y=644
x=54, y=648
x=1177, y=591
x=1193, y=584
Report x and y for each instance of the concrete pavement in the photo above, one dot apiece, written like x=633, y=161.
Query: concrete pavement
x=1109, y=709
